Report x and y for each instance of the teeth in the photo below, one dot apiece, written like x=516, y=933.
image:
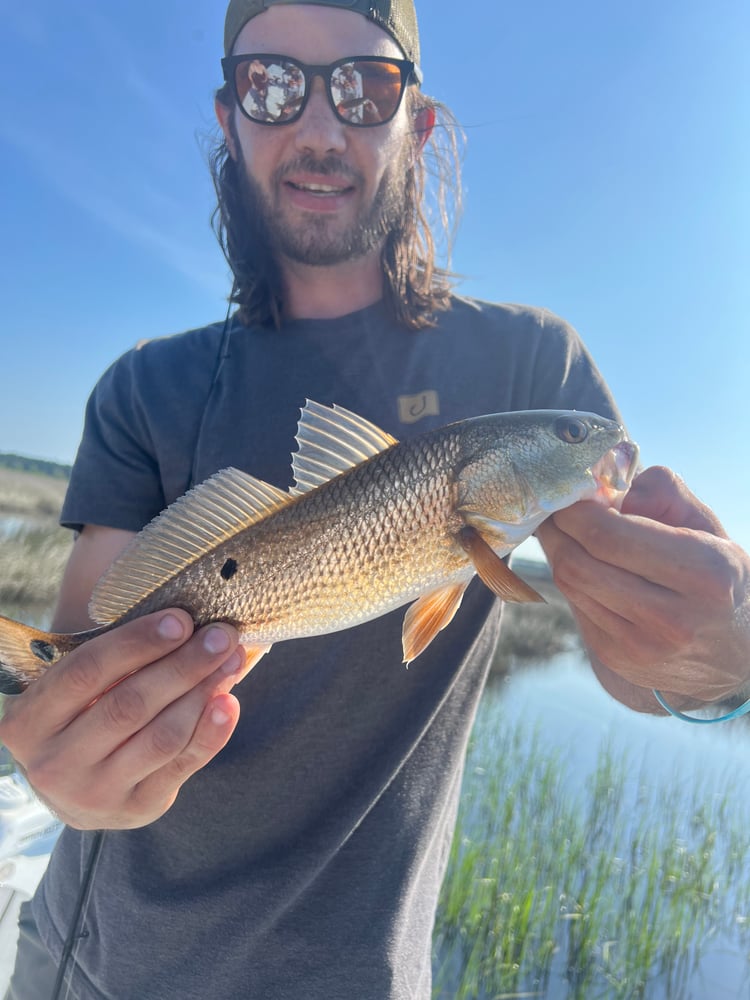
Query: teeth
x=319, y=188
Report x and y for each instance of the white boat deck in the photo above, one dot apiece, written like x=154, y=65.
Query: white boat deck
x=27, y=834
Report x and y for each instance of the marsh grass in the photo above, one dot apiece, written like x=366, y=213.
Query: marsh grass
x=614, y=892
x=30, y=495
x=33, y=559
x=33, y=548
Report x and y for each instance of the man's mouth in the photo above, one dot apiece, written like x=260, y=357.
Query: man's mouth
x=320, y=189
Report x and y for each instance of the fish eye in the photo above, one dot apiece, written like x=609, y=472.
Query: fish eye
x=571, y=430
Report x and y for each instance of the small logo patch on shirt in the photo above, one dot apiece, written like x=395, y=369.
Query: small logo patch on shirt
x=413, y=408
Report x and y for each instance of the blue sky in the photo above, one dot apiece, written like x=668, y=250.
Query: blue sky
x=606, y=169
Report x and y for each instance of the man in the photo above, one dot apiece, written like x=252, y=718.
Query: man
x=305, y=858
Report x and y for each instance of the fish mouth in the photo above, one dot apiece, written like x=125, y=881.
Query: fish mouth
x=614, y=472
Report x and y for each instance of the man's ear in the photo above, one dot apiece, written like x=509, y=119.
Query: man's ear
x=223, y=115
x=424, y=123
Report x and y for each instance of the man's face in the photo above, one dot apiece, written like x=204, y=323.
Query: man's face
x=328, y=192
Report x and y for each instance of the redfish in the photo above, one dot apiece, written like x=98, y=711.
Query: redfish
x=371, y=524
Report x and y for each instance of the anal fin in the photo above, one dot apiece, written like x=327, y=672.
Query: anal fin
x=427, y=616
x=493, y=572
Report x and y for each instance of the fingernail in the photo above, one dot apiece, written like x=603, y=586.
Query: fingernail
x=216, y=640
x=219, y=717
x=171, y=627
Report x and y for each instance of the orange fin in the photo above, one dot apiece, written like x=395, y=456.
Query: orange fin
x=427, y=616
x=493, y=572
x=252, y=655
x=26, y=653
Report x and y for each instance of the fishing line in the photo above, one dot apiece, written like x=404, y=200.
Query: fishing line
x=79, y=914
x=221, y=355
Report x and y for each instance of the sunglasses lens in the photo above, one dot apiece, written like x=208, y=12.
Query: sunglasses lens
x=269, y=90
x=366, y=92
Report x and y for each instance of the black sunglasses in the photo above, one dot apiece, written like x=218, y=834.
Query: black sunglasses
x=362, y=90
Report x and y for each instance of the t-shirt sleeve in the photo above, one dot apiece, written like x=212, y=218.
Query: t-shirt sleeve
x=115, y=480
x=563, y=374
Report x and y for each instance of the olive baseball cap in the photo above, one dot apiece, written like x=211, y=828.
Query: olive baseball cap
x=397, y=17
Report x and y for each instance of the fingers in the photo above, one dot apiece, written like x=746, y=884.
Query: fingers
x=166, y=735
x=109, y=735
x=640, y=699
x=657, y=589
x=215, y=726
x=661, y=495
x=681, y=559
x=63, y=692
x=129, y=706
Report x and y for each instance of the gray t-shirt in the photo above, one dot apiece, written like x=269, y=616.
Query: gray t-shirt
x=306, y=859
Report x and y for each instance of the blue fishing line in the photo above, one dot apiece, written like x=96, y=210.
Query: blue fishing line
x=734, y=714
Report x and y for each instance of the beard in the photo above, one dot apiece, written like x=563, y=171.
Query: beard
x=317, y=241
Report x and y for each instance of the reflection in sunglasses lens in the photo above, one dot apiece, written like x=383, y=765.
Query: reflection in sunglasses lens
x=362, y=92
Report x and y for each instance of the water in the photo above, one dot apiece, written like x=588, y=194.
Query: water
x=575, y=714
x=573, y=721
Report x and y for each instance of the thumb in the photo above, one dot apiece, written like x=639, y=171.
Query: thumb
x=661, y=495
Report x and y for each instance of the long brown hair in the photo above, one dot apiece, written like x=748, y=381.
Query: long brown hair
x=415, y=286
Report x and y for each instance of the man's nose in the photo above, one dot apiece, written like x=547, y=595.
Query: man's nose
x=318, y=129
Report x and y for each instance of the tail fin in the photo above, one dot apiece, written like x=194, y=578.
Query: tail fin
x=26, y=652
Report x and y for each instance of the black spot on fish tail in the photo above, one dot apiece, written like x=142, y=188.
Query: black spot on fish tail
x=10, y=684
x=44, y=651
x=229, y=569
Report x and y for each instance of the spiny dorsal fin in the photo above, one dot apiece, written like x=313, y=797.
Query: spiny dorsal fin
x=332, y=440
x=194, y=524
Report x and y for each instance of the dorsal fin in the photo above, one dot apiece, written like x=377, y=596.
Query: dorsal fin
x=332, y=440
x=194, y=524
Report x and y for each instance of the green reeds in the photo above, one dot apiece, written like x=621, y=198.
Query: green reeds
x=612, y=892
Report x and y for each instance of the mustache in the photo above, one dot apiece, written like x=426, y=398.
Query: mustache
x=325, y=166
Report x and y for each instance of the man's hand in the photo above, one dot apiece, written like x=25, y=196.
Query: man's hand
x=660, y=593
x=109, y=734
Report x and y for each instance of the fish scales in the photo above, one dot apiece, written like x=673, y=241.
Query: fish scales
x=360, y=545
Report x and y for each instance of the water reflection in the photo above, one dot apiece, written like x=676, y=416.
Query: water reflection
x=599, y=854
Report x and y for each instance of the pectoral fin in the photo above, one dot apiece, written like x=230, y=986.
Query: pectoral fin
x=427, y=616
x=493, y=572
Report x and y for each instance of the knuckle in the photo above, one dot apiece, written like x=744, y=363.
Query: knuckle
x=123, y=706
x=45, y=774
x=567, y=570
x=186, y=664
x=668, y=628
x=148, y=802
x=182, y=767
x=166, y=739
x=719, y=582
x=84, y=671
x=636, y=650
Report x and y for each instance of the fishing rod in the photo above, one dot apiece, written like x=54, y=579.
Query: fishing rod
x=78, y=911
